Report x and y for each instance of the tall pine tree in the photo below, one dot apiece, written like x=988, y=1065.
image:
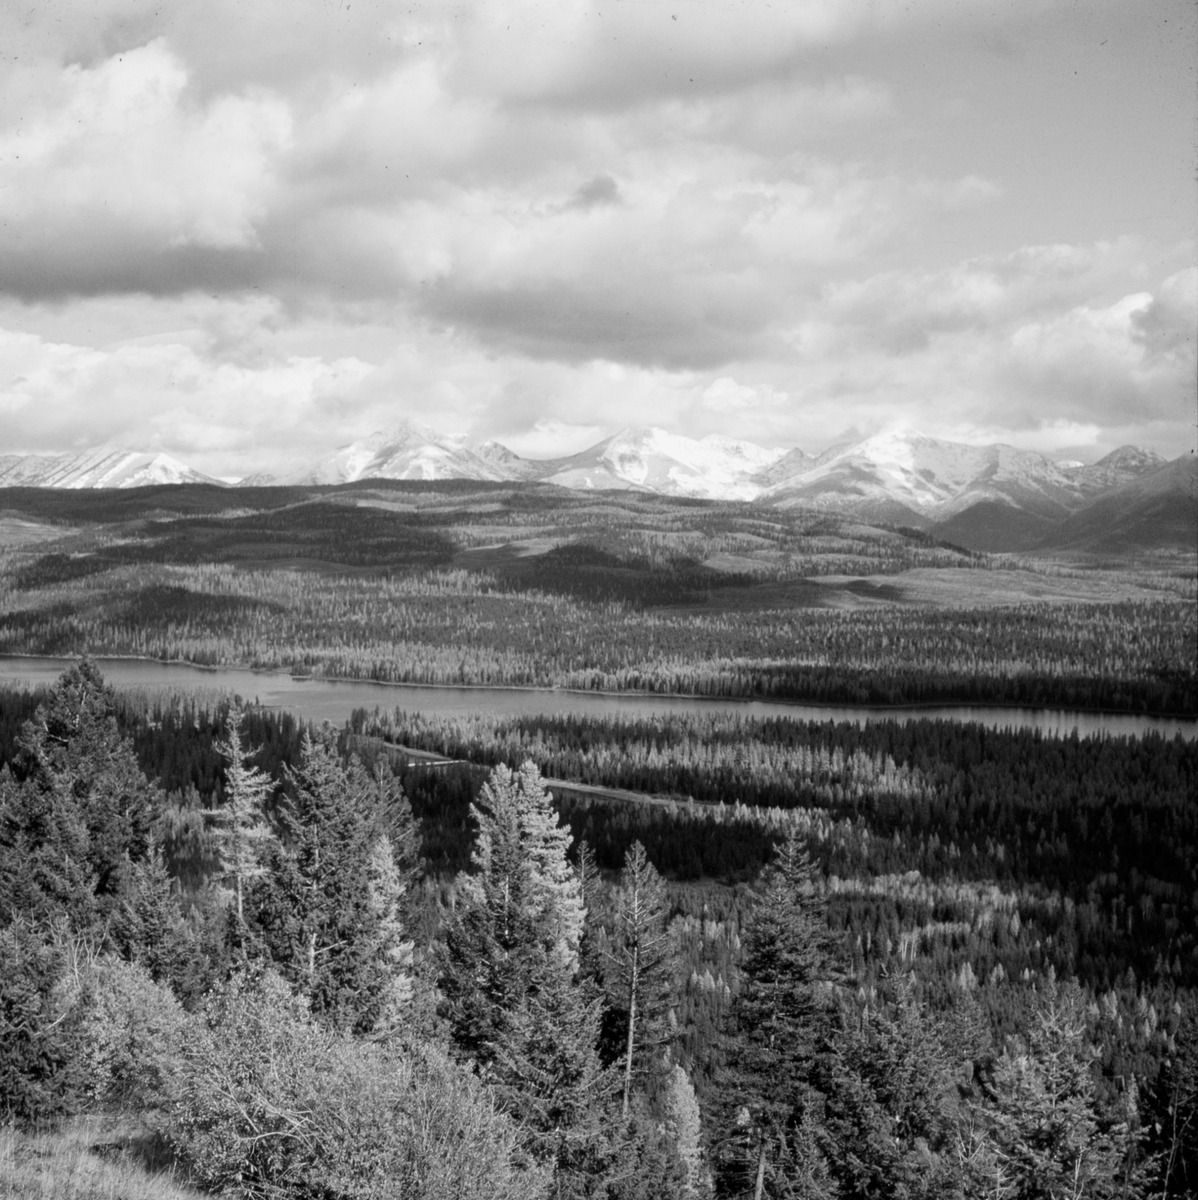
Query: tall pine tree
x=513, y=1000
x=329, y=906
x=641, y=963
x=242, y=834
x=780, y=1029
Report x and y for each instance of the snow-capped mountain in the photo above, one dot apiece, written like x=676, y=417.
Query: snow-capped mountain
x=1121, y=466
x=106, y=467
x=670, y=464
x=991, y=497
x=509, y=464
x=412, y=450
x=930, y=479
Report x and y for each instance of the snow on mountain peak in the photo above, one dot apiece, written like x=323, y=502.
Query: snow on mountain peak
x=103, y=467
x=898, y=474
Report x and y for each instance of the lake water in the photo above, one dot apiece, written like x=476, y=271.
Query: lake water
x=333, y=700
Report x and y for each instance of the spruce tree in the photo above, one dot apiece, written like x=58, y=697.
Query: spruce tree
x=242, y=834
x=1051, y=1138
x=74, y=829
x=514, y=1003
x=1174, y=1104
x=641, y=962
x=780, y=1028
x=890, y=1113
x=329, y=907
x=684, y=1126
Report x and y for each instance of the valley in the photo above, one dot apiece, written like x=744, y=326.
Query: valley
x=678, y=700
x=470, y=583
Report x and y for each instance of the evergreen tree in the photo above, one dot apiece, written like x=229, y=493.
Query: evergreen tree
x=150, y=930
x=890, y=1109
x=242, y=832
x=641, y=961
x=1051, y=1139
x=683, y=1124
x=554, y=892
x=39, y=1027
x=513, y=1001
x=1174, y=1104
x=74, y=829
x=328, y=909
x=593, y=893
x=781, y=1024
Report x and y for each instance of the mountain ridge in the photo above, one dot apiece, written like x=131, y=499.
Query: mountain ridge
x=101, y=467
x=991, y=497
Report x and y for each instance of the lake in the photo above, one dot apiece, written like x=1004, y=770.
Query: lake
x=333, y=700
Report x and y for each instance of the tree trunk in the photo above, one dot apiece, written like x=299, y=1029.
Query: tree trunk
x=632, y=989
x=759, y=1188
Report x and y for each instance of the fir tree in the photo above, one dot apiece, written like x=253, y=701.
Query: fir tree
x=890, y=1113
x=329, y=907
x=781, y=1023
x=684, y=1126
x=1175, y=1105
x=641, y=960
x=242, y=832
x=1050, y=1139
x=513, y=1001
x=73, y=831
x=554, y=892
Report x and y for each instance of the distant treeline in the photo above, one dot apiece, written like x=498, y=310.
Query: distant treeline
x=463, y=627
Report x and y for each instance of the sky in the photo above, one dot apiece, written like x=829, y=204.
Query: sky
x=246, y=233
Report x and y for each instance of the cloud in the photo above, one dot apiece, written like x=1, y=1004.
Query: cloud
x=115, y=163
x=595, y=193
x=161, y=394
x=539, y=218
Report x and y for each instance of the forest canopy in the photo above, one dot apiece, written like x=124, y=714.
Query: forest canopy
x=817, y=960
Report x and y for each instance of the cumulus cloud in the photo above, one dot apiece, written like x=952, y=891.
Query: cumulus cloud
x=543, y=218
x=113, y=161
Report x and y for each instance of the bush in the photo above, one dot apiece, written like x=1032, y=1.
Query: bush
x=273, y=1105
x=132, y=1032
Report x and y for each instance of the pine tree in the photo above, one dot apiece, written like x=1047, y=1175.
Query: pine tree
x=641, y=960
x=554, y=896
x=329, y=907
x=1175, y=1101
x=149, y=929
x=684, y=1126
x=241, y=829
x=513, y=1001
x=1050, y=1139
x=890, y=1113
x=781, y=1024
x=73, y=831
x=593, y=939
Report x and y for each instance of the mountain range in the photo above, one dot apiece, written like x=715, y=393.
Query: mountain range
x=992, y=497
x=105, y=467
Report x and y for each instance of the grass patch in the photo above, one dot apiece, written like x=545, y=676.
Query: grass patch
x=89, y=1158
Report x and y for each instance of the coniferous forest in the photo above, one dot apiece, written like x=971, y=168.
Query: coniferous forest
x=695, y=955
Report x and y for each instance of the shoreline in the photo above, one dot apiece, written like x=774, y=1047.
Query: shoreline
x=831, y=706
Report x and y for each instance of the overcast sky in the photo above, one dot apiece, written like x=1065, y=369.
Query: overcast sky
x=245, y=232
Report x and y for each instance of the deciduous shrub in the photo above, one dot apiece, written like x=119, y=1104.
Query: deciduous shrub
x=131, y=1035
x=274, y=1105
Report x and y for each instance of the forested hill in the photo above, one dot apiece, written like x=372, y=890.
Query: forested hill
x=530, y=585
x=904, y=960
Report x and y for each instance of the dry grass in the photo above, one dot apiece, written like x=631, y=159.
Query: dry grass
x=1046, y=583
x=15, y=532
x=88, y=1159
